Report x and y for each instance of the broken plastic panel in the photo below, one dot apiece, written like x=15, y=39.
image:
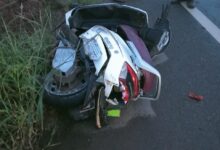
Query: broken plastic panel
x=92, y=48
x=64, y=58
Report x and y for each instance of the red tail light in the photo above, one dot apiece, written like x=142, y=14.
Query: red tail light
x=125, y=90
x=134, y=80
x=129, y=83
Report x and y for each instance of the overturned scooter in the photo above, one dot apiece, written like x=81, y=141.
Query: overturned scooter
x=104, y=60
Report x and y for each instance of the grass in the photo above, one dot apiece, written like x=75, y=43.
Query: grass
x=23, y=61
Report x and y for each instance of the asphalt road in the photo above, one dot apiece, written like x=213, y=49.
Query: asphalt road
x=211, y=9
x=174, y=122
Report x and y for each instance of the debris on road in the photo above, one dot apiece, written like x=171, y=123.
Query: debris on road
x=114, y=113
x=195, y=96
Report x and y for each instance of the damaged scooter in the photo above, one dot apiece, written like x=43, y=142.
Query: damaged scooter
x=104, y=60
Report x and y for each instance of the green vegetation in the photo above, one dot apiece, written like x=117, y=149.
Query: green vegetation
x=22, y=64
x=24, y=47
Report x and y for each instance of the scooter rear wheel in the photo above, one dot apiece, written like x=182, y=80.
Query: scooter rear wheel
x=69, y=97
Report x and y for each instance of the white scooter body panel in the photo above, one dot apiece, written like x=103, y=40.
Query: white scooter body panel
x=116, y=48
x=120, y=53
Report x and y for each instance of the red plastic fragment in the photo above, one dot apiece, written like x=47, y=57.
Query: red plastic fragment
x=195, y=96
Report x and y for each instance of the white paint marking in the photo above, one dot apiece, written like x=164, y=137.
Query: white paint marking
x=204, y=21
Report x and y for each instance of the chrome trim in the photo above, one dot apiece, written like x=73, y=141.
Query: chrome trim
x=146, y=66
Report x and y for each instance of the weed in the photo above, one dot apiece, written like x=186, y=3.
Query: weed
x=22, y=62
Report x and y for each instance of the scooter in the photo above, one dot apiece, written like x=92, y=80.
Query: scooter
x=104, y=60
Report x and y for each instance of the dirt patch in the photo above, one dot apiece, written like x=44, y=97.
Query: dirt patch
x=19, y=13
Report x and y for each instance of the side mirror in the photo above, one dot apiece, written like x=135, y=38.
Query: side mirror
x=157, y=40
x=164, y=40
x=162, y=25
x=158, y=37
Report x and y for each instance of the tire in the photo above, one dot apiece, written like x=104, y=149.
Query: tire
x=70, y=98
x=102, y=119
x=74, y=99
